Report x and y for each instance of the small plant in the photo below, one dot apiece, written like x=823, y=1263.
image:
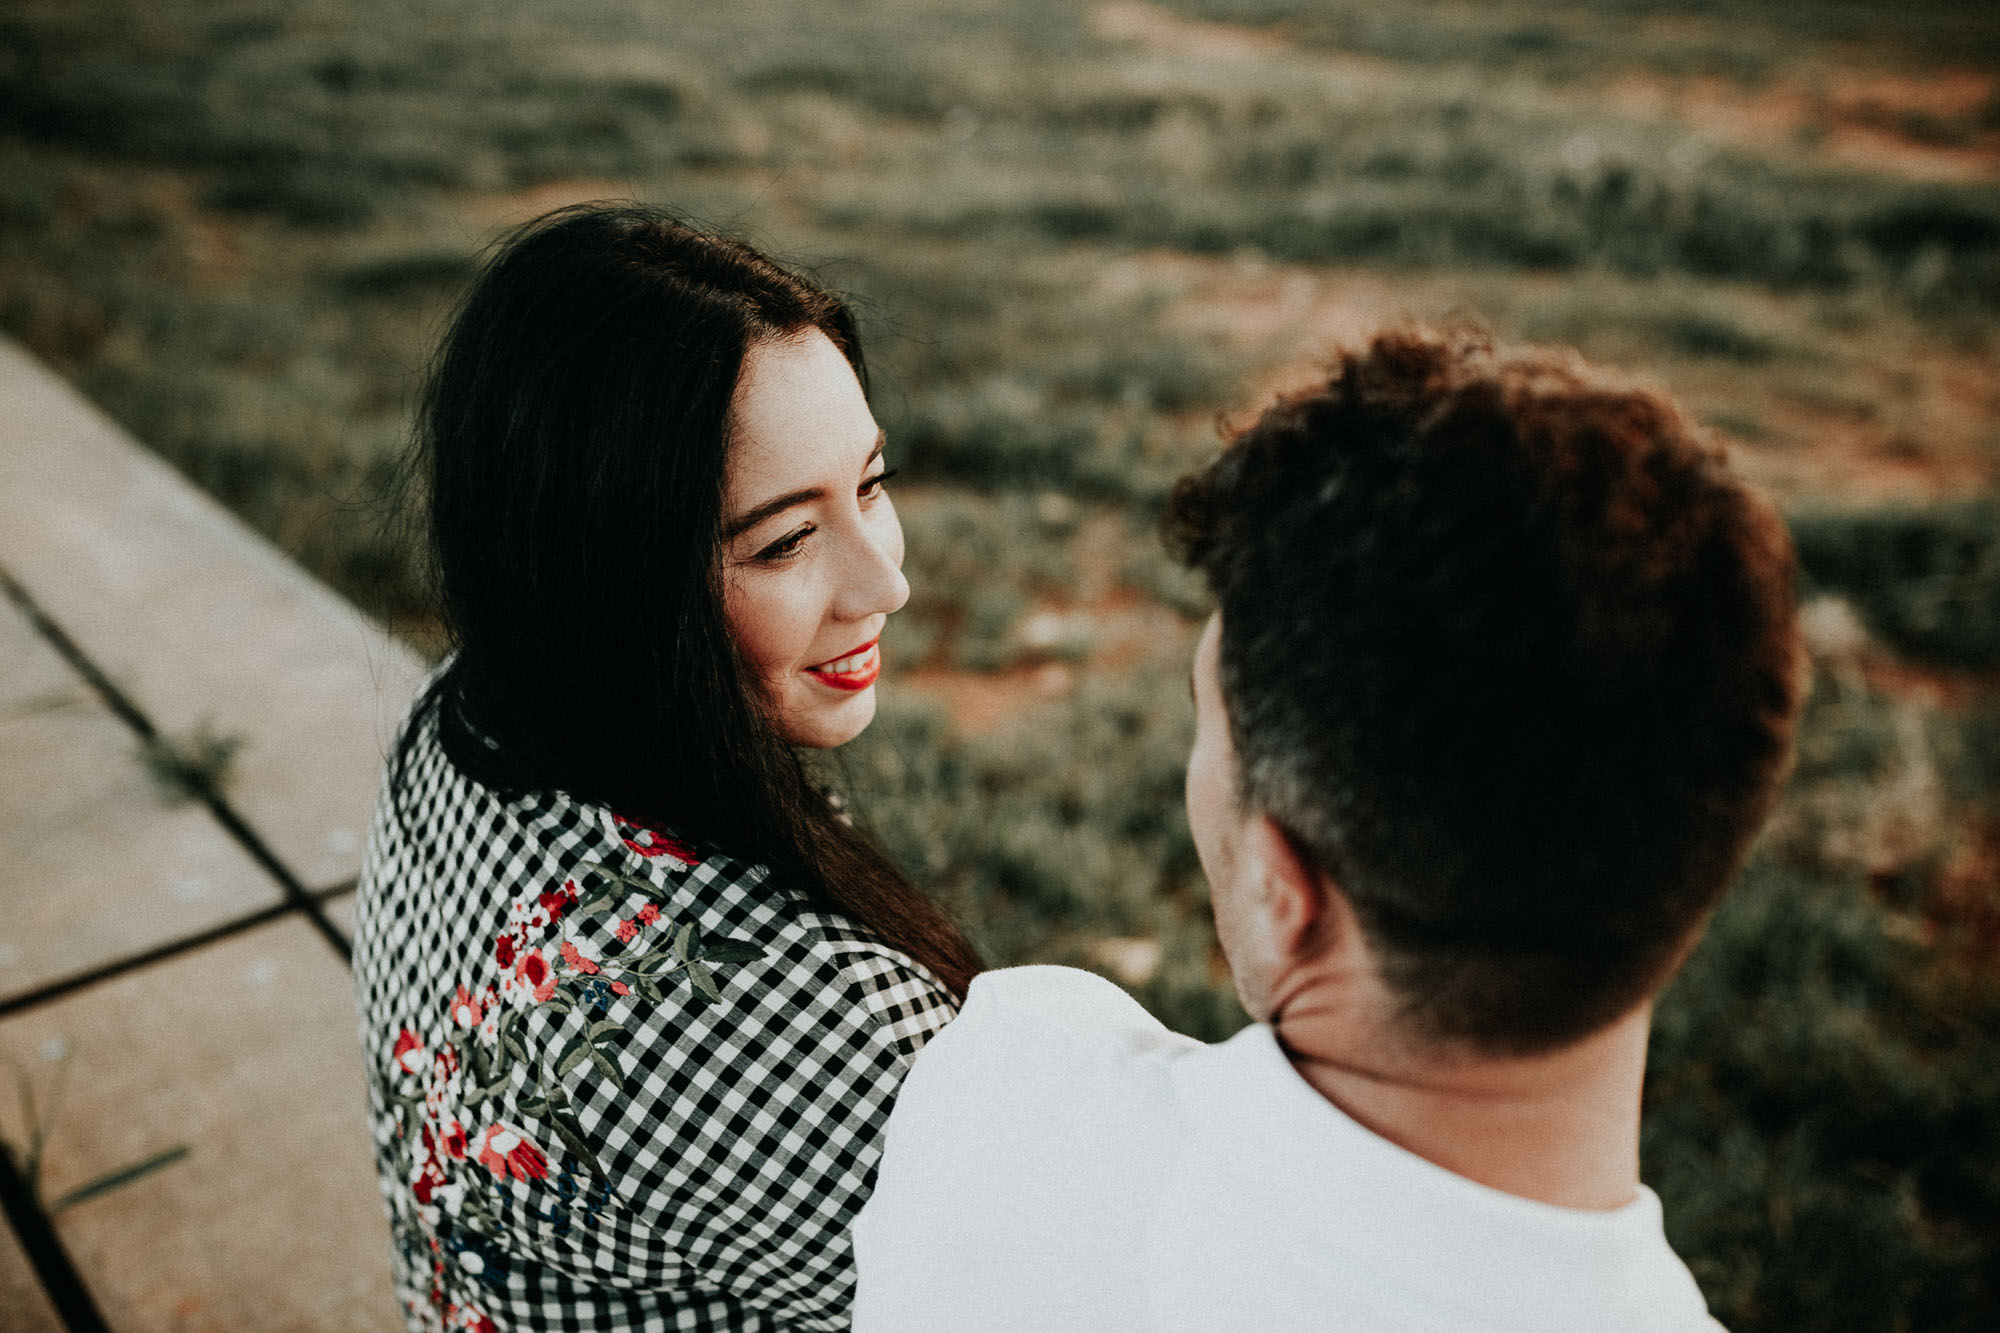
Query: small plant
x=188, y=768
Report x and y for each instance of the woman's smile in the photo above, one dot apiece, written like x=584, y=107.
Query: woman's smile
x=856, y=670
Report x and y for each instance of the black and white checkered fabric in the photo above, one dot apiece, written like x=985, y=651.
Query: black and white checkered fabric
x=561, y=1150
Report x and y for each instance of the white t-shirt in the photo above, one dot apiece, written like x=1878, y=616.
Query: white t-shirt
x=1059, y=1160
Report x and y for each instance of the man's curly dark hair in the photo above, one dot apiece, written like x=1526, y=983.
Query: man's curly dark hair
x=1511, y=656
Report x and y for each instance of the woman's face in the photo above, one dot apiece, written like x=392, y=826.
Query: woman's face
x=812, y=553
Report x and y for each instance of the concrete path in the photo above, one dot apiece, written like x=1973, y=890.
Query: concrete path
x=174, y=992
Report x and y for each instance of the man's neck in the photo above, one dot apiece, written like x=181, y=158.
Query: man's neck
x=1561, y=1128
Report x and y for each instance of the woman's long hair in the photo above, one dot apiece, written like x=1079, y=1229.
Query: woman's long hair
x=572, y=438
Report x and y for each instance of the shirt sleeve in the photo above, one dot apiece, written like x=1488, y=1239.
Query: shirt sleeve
x=742, y=1135
x=1020, y=1164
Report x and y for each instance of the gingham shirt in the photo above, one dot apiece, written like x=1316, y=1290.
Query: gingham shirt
x=615, y=1083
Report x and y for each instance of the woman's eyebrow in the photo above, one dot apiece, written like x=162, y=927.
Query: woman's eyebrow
x=804, y=495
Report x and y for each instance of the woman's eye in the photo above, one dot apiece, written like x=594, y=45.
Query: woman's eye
x=786, y=547
x=873, y=486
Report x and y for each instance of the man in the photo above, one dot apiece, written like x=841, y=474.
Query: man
x=1501, y=685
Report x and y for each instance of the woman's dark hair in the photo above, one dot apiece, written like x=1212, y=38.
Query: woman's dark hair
x=572, y=437
x=1511, y=655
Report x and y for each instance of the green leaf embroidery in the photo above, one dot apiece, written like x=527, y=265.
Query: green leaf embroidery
x=704, y=983
x=654, y=965
x=511, y=1040
x=571, y=1134
x=572, y=1057
x=602, y=1057
x=731, y=951
x=473, y=1056
x=684, y=942
x=618, y=876
x=611, y=887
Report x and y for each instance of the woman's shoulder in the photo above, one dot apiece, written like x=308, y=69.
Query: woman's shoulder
x=905, y=998
x=626, y=958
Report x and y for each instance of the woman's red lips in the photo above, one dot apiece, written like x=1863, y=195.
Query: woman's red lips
x=853, y=670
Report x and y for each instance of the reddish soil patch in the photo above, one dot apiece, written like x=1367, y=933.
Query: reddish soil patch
x=1857, y=119
x=1934, y=126
x=1965, y=909
x=1904, y=418
x=981, y=703
x=1934, y=687
x=1128, y=630
x=1287, y=318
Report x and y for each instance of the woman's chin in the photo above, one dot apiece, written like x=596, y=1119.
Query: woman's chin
x=833, y=724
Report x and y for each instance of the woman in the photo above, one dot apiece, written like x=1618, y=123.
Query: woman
x=635, y=997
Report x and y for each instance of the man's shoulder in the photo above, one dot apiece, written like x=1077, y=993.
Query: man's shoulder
x=1076, y=1001
x=1030, y=1140
x=1029, y=1034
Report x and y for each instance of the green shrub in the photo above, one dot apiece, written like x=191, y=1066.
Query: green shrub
x=1927, y=580
x=1823, y=1117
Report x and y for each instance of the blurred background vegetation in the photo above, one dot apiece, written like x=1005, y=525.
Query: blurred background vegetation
x=1077, y=235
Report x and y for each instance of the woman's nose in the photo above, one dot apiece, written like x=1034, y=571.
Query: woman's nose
x=875, y=584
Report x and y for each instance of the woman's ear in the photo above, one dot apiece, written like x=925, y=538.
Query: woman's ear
x=1292, y=893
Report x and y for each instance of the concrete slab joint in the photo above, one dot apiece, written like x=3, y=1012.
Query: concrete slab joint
x=160, y=961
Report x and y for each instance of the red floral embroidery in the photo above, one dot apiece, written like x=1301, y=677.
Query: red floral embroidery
x=506, y=1151
x=466, y=1011
x=555, y=904
x=409, y=1054
x=451, y=1141
x=649, y=841
x=535, y=973
x=465, y=1317
x=543, y=956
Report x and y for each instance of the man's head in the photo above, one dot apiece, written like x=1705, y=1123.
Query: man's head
x=1507, y=661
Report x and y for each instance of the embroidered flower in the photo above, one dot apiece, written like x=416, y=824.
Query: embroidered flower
x=649, y=914
x=435, y=1195
x=579, y=957
x=536, y=975
x=503, y=950
x=649, y=841
x=443, y=1087
x=451, y=1141
x=465, y=1011
x=466, y=1317
x=506, y=1151
x=620, y=988
x=555, y=904
x=527, y=914
x=628, y=931
x=409, y=1054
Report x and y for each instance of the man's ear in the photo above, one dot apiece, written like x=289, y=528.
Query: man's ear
x=1292, y=892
